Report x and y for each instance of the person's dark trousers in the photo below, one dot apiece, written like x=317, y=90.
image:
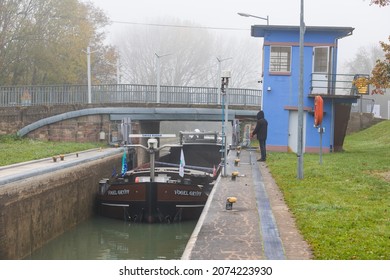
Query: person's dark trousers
x=263, y=152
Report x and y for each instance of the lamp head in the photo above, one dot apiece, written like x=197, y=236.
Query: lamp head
x=226, y=74
x=243, y=14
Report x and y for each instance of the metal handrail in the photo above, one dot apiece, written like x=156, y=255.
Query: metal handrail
x=121, y=93
x=334, y=84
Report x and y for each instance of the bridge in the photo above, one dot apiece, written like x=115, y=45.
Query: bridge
x=79, y=113
x=123, y=93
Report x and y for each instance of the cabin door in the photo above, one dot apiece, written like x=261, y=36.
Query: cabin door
x=293, y=131
x=322, y=70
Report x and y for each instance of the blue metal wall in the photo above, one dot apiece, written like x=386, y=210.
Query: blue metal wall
x=280, y=92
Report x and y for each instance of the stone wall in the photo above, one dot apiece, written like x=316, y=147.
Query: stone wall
x=81, y=129
x=34, y=211
x=360, y=121
x=14, y=118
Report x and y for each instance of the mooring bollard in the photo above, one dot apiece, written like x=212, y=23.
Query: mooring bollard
x=229, y=202
x=234, y=175
x=236, y=161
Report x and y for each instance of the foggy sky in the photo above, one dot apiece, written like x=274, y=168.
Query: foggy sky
x=371, y=23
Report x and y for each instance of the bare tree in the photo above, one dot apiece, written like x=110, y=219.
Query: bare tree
x=364, y=60
x=187, y=55
x=245, y=62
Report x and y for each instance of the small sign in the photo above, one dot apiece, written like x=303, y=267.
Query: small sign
x=152, y=135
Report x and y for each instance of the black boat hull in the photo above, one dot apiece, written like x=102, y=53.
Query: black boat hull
x=152, y=202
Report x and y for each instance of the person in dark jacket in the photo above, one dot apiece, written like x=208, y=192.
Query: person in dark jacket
x=261, y=132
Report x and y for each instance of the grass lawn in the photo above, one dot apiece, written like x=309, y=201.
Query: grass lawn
x=342, y=207
x=14, y=149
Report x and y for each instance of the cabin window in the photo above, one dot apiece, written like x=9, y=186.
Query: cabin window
x=280, y=60
x=321, y=60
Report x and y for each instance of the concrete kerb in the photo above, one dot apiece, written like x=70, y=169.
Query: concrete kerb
x=39, y=171
x=5, y=167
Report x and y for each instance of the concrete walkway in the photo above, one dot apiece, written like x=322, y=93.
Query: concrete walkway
x=259, y=226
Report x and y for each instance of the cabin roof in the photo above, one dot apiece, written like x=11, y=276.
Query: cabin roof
x=262, y=30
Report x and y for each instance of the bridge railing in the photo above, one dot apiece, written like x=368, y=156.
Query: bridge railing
x=122, y=93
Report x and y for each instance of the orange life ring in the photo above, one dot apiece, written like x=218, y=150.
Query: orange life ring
x=318, y=110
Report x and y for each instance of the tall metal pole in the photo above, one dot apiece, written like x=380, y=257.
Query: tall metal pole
x=158, y=78
x=219, y=77
x=300, y=98
x=220, y=60
x=118, y=75
x=89, y=74
x=226, y=122
x=321, y=130
x=224, y=90
x=158, y=75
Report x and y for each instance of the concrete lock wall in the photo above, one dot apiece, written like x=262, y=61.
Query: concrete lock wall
x=34, y=211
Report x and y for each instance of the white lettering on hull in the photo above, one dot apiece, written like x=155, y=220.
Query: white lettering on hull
x=187, y=193
x=118, y=192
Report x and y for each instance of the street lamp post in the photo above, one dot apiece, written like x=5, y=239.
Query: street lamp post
x=88, y=52
x=225, y=76
x=158, y=75
x=118, y=71
x=220, y=60
x=89, y=74
x=263, y=18
x=249, y=15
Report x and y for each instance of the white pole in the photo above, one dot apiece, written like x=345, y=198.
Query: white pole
x=89, y=74
x=321, y=131
x=224, y=89
x=158, y=74
x=300, y=98
x=219, y=77
x=118, y=79
x=226, y=122
x=158, y=78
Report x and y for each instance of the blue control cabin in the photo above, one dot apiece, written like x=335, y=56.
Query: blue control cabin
x=281, y=69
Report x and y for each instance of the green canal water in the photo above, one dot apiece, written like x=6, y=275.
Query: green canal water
x=107, y=239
